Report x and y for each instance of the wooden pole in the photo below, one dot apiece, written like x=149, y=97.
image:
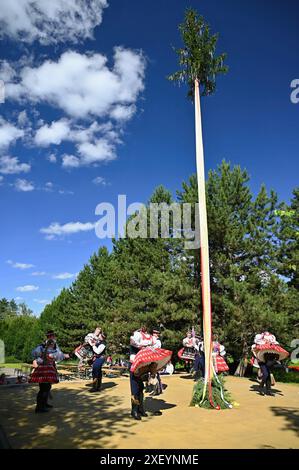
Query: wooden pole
x=204, y=242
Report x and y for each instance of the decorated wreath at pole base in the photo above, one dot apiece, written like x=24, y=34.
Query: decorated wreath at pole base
x=221, y=398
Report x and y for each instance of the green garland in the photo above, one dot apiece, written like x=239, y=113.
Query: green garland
x=216, y=394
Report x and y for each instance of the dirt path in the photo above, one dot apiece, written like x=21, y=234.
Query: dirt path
x=84, y=420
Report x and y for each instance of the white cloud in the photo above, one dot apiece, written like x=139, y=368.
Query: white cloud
x=11, y=165
x=70, y=161
x=41, y=301
x=56, y=229
x=24, y=185
x=38, y=273
x=123, y=113
x=100, y=151
x=66, y=191
x=7, y=72
x=52, y=134
x=64, y=276
x=49, y=186
x=52, y=158
x=27, y=288
x=51, y=21
x=20, y=265
x=23, y=119
x=8, y=133
x=84, y=86
x=99, y=180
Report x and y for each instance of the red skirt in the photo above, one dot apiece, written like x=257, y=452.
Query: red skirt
x=221, y=365
x=148, y=355
x=261, y=349
x=44, y=374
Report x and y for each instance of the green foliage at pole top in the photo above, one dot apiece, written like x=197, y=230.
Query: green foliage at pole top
x=197, y=58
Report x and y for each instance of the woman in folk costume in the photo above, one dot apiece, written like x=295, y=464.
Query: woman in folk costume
x=140, y=339
x=218, y=353
x=188, y=350
x=187, y=353
x=84, y=351
x=144, y=359
x=45, y=373
x=268, y=354
x=98, y=349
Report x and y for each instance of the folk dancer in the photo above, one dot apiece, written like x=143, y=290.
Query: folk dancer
x=155, y=381
x=145, y=359
x=218, y=353
x=188, y=351
x=199, y=360
x=267, y=355
x=84, y=351
x=98, y=360
x=140, y=339
x=45, y=373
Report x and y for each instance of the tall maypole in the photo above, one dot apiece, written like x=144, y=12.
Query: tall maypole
x=199, y=68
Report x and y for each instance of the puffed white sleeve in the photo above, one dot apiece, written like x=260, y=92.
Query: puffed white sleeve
x=99, y=349
x=135, y=339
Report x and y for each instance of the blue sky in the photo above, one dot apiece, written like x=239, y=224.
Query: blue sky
x=88, y=115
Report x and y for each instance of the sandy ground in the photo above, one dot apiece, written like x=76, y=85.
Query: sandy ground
x=102, y=420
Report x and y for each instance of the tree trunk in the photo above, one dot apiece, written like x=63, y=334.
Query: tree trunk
x=242, y=366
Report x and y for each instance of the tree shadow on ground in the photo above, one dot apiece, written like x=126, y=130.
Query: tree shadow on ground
x=79, y=419
x=291, y=416
x=256, y=388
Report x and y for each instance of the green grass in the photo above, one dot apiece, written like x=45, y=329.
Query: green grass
x=14, y=365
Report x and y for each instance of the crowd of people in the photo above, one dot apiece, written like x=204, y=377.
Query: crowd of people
x=148, y=361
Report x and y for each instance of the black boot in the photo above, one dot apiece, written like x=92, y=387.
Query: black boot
x=40, y=410
x=135, y=409
x=99, y=384
x=268, y=389
x=262, y=392
x=94, y=386
x=141, y=406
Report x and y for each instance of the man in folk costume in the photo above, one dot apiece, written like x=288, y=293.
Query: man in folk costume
x=140, y=339
x=45, y=373
x=156, y=381
x=145, y=359
x=84, y=351
x=199, y=361
x=98, y=348
x=268, y=354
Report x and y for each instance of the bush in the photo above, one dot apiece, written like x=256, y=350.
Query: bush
x=12, y=360
x=287, y=377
